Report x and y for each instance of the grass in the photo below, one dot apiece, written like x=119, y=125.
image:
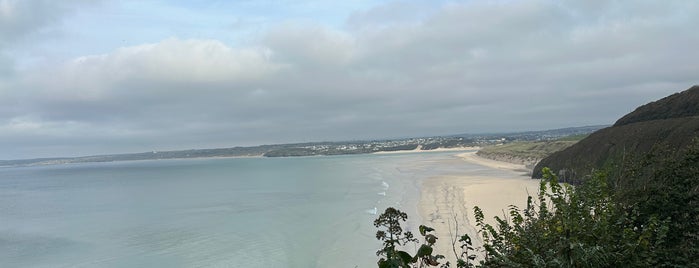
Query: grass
x=531, y=149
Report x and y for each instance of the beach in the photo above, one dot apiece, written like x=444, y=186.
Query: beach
x=419, y=149
x=446, y=201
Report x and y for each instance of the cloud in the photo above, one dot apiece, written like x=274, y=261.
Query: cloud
x=394, y=70
x=25, y=22
x=307, y=45
x=22, y=18
x=172, y=74
x=172, y=61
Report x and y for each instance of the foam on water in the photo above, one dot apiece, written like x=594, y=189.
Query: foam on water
x=385, y=185
x=372, y=211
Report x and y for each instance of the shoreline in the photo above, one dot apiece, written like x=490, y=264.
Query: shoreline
x=71, y=161
x=473, y=158
x=446, y=201
x=420, y=150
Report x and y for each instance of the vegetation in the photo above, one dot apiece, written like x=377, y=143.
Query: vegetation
x=609, y=148
x=665, y=186
x=672, y=121
x=527, y=152
x=572, y=227
x=575, y=138
x=678, y=105
x=392, y=235
x=644, y=213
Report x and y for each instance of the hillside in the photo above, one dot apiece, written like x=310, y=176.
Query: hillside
x=683, y=104
x=527, y=153
x=672, y=122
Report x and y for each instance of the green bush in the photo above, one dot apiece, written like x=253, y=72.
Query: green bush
x=572, y=227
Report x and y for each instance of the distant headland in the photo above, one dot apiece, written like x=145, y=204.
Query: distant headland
x=323, y=148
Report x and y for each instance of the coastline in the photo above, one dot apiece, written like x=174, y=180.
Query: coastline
x=472, y=157
x=420, y=150
x=446, y=201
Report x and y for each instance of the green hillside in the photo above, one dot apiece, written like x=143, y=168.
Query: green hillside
x=672, y=122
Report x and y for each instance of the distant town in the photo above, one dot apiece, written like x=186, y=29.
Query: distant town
x=324, y=148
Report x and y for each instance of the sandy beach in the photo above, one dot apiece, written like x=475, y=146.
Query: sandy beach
x=420, y=150
x=446, y=202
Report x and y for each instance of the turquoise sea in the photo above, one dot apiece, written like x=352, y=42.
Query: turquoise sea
x=215, y=212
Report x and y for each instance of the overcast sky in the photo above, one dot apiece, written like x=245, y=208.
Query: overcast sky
x=97, y=77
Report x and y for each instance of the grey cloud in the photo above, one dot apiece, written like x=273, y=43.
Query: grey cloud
x=22, y=18
x=21, y=21
x=19, y=18
x=389, y=14
x=302, y=44
x=464, y=67
x=6, y=65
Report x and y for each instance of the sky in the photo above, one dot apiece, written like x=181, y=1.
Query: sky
x=81, y=77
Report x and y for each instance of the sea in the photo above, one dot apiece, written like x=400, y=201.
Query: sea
x=209, y=212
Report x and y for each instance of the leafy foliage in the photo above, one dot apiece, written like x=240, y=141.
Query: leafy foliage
x=392, y=235
x=646, y=215
x=658, y=185
x=571, y=227
x=465, y=259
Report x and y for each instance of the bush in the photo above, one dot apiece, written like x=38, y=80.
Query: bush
x=572, y=227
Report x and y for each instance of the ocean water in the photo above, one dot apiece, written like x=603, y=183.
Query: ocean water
x=217, y=212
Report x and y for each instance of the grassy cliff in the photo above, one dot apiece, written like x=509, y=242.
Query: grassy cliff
x=671, y=122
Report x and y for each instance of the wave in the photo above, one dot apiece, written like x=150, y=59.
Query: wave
x=372, y=211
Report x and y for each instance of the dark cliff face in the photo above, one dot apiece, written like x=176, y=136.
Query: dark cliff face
x=672, y=121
